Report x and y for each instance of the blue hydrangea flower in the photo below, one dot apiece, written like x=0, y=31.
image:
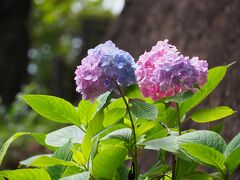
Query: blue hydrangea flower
x=103, y=65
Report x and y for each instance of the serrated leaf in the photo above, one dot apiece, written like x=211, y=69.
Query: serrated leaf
x=53, y=108
x=205, y=137
x=211, y=114
x=233, y=160
x=143, y=110
x=204, y=155
x=6, y=145
x=25, y=174
x=79, y=176
x=215, y=76
x=29, y=161
x=87, y=110
x=234, y=144
x=45, y=161
x=62, y=136
x=108, y=161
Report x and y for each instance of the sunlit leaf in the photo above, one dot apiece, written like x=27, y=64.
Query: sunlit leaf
x=53, y=108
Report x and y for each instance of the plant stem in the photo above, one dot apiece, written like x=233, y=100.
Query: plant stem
x=179, y=120
x=135, y=162
x=179, y=133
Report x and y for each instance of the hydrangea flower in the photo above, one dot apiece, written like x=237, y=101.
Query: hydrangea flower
x=164, y=72
x=103, y=65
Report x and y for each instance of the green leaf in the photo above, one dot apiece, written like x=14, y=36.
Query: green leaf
x=112, y=116
x=29, y=161
x=108, y=161
x=71, y=170
x=6, y=145
x=184, y=167
x=117, y=103
x=83, y=176
x=211, y=114
x=25, y=174
x=123, y=134
x=179, y=98
x=133, y=92
x=87, y=110
x=145, y=127
x=143, y=110
x=155, y=171
x=94, y=127
x=166, y=143
x=205, y=137
x=64, y=153
x=204, y=155
x=215, y=76
x=234, y=144
x=45, y=161
x=78, y=157
x=102, y=100
x=217, y=128
x=40, y=138
x=233, y=160
x=62, y=136
x=171, y=143
x=53, y=108
x=198, y=176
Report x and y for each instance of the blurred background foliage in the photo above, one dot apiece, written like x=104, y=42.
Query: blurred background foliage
x=60, y=33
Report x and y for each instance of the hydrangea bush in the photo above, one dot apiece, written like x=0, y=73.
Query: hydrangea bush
x=129, y=107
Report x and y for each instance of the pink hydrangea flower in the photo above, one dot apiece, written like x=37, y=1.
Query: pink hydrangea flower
x=164, y=72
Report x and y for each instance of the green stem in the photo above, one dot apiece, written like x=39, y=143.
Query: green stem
x=175, y=170
x=134, y=154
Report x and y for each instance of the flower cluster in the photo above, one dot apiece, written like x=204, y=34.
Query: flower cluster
x=104, y=66
x=164, y=72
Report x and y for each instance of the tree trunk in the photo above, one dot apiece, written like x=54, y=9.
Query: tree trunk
x=14, y=45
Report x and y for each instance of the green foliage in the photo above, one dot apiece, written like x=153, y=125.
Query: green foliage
x=84, y=175
x=45, y=161
x=62, y=136
x=211, y=114
x=104, y=135
x=106, y=162
x=171, y=143
x=233, y=160
x=6, y=145
x=143, y=110
x=234, y=144
x=87, y=110
x=24, y=174
x=63, y=153
x=53, y=108
x=204, y=155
